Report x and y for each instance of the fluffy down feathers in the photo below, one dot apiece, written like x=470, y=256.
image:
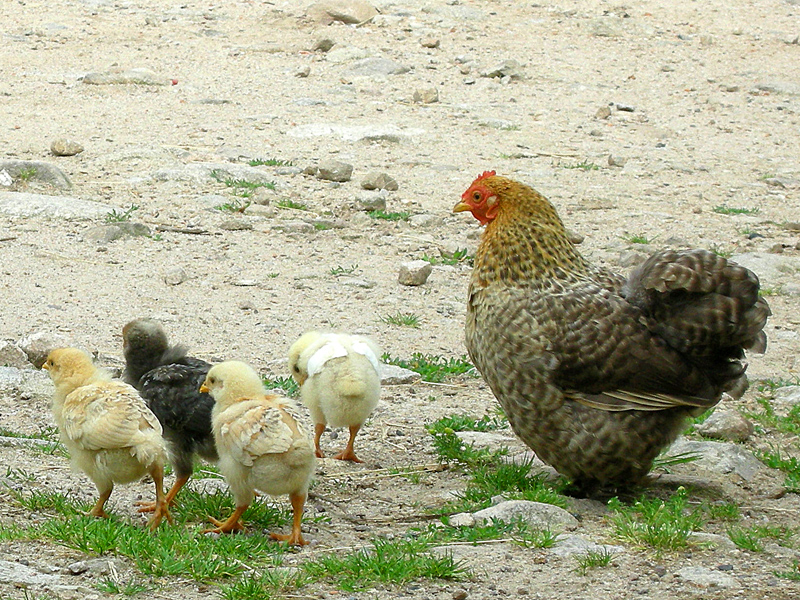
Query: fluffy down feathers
x=340, y=382
x=261, y=443
x=598, y=373
x=169, y=381
x=110, y=433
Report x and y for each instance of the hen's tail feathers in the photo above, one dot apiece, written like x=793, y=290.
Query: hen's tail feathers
x=704, y=306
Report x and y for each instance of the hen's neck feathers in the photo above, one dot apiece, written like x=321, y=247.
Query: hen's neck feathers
x=527, y=240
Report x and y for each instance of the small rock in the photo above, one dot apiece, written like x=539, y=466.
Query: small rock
x=11, y=355
x=65, y=147
x=787, y=396
x=429, y=42
x=425, y=221
x=625, y=107
x=706, y=40
x=378, y=67
x=175, y=276
x=35, y=171
x=616, y=161
x=415, y=272
x=507, y=68
x=300, y=227
x=334, y=170
x=134, y=229
x=351, y=12
x=236, y=225
x=38, y=345
x=104, y=233
x=460, y=595
x=323, y=45
x=370, y=202
x=426, y=95
x=394, y=375
x=703, y=577
x=603, y=112
x=537, y=515
x=127, y=77
x=570, y=545
x=719, y=457
x=728, y=425
x=575, y=237
x=378, y=181
x=303, y=71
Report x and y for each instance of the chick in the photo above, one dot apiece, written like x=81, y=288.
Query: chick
x=169, y=381
x=339, y=381
x=110, y=433
x=260, y=442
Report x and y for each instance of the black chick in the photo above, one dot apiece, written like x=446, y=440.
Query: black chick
x=169, y=381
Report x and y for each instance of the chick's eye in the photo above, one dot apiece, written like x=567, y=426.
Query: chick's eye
x=296, y=369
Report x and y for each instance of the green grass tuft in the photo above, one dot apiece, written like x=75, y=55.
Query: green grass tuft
x=270, y=162
x=116, y=216
x=728, y=210
x=389, y=216
x=433, y=368
x=285, y=384
x=402, y=320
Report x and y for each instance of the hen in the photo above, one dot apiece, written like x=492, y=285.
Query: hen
x=339, y=381
x=109, y=432
x=598, y=373
x=169, y=381
x=261, y=444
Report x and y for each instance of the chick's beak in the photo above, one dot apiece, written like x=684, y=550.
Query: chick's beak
x=204, y=388
x=45, y=367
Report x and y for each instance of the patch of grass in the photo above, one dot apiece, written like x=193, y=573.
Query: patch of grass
x=638, y=239
x=340, y=270
x=790, y=423
x=129, y=588
x=456, y=257
x=19, y=474
x=287, y=203
x=243, y=187
x=47, y=501
x=592, y=560
x=468, y=423
x=274, y=583
x=388, y=562
x=234, y=206
x=584, y=165
x=390, y=216
x=518, y=531
x=116, y=216
x=270, y=162
x=793, y=575
x=433, y=368
x=768, y=291
x=286, y=384
x=660, y=524
x=720, y=252
x=272, y=275
x=322, y=226
x=402, y=320
x=26, y=175
x=729, y=210
x=195, y=507
x=723, y=511
x=752, y=538
x=790, y=466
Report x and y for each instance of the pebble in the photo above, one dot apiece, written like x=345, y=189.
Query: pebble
x=303, y=71
x=294, y=227
x=65, y=147
x=425, y=95
x=460, y=595
x=719, y=457
x=236, y=225
x=616, y=161
x=372, y=201
x=334, y=170
x=507, y=68
x=323, y=45
x=537, y=515
x=787, y=396
x=603, y=112
x=104, y=233
x=726, y=424
x=414, y=272
x=394, y=375
x=704, y=577
x=29, y=171
x=38, y=345
x=175, y=276
x=127, y=77
x=11, y=355
x=377, y=67
x=351, y=12
x=376, y=180
x=429, y=42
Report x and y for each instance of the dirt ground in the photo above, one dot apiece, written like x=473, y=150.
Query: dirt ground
x=636, y=120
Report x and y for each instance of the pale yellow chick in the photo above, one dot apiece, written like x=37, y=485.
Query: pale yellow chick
x=260, y=442
x=339, y=381
x=107, y=428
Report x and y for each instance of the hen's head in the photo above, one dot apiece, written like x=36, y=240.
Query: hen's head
x=491, y=195
x=232, y=380
x=69, y=367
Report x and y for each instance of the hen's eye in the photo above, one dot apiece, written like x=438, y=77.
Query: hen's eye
x=476, y=196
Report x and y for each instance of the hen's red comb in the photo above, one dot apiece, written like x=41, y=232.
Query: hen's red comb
x=484, y=175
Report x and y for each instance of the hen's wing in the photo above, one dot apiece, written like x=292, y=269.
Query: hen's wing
x=107, y=416
x=258, y=430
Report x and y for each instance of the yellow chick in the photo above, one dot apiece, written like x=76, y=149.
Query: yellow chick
x=260, y=442
x=339, y=381
x=108, y=430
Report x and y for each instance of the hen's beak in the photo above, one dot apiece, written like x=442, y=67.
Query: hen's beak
x=461, y=207
x=45, y=367
x=204, y=389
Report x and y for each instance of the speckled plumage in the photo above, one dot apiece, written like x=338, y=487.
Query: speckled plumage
x=169, y=381
x=598, y=373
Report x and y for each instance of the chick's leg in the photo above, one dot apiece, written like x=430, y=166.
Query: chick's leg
x=348, y=453
x=161, y=506
x=170, y=499
x=295, y=538
x=319, y=429
x=233, y=523
x=98, y=510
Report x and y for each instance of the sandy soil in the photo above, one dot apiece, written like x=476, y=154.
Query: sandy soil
x=703, y=102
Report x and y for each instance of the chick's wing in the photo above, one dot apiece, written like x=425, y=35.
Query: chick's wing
x=106, y=416
x=256, y=431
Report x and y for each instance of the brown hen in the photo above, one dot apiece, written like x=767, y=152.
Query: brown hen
x=598, y=373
